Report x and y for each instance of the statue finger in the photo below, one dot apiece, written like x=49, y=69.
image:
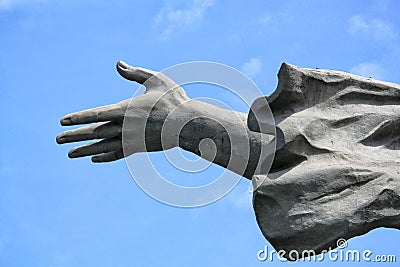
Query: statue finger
x=139, y=75
x=95, y=131
x=103, y=146
x=104, y=113
x=108, y=157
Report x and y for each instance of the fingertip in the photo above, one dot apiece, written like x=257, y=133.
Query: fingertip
x=96, y=159
x=122, y=64
x=134, y=74
x=60, y=139
x=121, y=70
x=65, y=121
x=72, y=154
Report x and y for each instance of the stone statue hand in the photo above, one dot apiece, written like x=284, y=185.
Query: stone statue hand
x=147, y=111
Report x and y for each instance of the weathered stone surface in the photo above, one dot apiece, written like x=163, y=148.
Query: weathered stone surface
x=336, y=172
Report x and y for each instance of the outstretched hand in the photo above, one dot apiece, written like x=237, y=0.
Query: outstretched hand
x=162, y=95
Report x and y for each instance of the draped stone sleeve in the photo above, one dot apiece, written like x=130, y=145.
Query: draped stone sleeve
x=336, y=171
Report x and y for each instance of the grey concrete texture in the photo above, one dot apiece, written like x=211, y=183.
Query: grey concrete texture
x=150, y=123
x=336, y=171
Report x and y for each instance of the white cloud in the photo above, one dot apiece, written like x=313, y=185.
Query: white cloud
x=8, y=4
x=265, y=19
x=174, y=19
x=252, y=67
x=369, y=69
x=376, y=28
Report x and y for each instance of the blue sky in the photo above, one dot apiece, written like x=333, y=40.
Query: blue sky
x=59, y=56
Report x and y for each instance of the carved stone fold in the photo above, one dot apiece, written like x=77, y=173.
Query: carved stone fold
x=336, y=172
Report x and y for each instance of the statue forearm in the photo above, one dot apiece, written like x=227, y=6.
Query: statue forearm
x=228, y=130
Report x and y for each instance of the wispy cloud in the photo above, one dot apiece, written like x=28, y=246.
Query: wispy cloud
x=172, y=19
x=10, y=4
x=252, y=67
x=369, y=69
x=376, y=28
x=7, y=4
x=264, y=19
